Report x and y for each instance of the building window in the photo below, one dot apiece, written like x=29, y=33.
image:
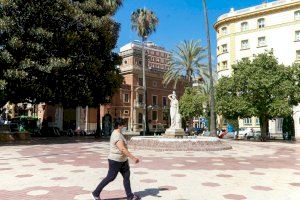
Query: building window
x=154, y=84
x=298, y=55
x=154, y=100
x=140, y=99
x=297, y=15
x=140, y=81
x=245, y=44
x=224, y=64
x=248, y=121
x=125, y=62
x=224, y=31
x=245, y=59
x=297, y=36
x=224, y=48
x=262, y=42
x=257, y=121
x=261, y=23
x=154, y=115
x=244, y=26
x=140, y=118
x=164, y=101
x=126, y=112
x=140, y=62
x=126, y=98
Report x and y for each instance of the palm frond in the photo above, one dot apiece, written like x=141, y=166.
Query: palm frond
x=186, y=62
x=144, y=22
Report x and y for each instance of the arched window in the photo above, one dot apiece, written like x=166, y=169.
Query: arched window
x=261, y=23
x=140, y=118
x=244, y=26
x=224, y=31
x=297, y=15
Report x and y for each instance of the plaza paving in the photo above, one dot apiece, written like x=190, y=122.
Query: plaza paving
x=69, y=169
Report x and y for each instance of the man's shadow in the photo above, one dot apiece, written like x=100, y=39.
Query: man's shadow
x=147, y=192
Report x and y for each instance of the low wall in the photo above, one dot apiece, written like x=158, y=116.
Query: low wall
x=6, y=137
x=175, y=144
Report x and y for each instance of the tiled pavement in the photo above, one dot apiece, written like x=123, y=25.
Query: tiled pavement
x=71, y=169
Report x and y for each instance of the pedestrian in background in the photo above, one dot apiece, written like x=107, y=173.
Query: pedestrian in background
x=118, y=161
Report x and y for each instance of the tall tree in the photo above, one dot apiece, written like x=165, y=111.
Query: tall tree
x=229, y=104
x=261, y=88
x=212, y=92
x=192, y=104
x=186, y=63
x=112, y=5
x=144, y=22
x=59, y=51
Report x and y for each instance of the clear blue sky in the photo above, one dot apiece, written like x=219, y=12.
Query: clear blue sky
x=178, y=19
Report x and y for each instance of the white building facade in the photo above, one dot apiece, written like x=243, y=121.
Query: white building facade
x=244, y=33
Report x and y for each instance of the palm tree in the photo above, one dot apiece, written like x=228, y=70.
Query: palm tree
x=212, y=92
x=144, y=22
x=186, y=63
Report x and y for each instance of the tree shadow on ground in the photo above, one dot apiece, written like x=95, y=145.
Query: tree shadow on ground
x=154, y=192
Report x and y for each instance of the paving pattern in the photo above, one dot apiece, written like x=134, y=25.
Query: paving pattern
x=70, y=170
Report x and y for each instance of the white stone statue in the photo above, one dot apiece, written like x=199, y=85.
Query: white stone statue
x=174, y=112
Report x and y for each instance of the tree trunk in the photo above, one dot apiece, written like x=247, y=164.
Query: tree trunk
x=212, y=95
x=264, y=127
x=98, y=130
x=190, y=126
x=145, y=113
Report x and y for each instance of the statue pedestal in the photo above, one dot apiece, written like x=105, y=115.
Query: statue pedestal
x=174, y=133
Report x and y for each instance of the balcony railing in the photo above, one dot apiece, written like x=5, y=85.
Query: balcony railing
x=139, y=105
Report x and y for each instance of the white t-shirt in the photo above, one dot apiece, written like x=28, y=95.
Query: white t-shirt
x=114, y=153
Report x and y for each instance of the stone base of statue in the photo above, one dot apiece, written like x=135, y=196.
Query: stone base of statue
x=174, y=133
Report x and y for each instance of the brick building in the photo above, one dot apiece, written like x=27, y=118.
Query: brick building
x=128, y=102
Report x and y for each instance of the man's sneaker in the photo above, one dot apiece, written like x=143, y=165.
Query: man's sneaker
x=134, y=197
x=95, y=197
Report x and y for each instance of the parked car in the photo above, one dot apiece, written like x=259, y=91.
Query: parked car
x=243, y=132
x=256, y=135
